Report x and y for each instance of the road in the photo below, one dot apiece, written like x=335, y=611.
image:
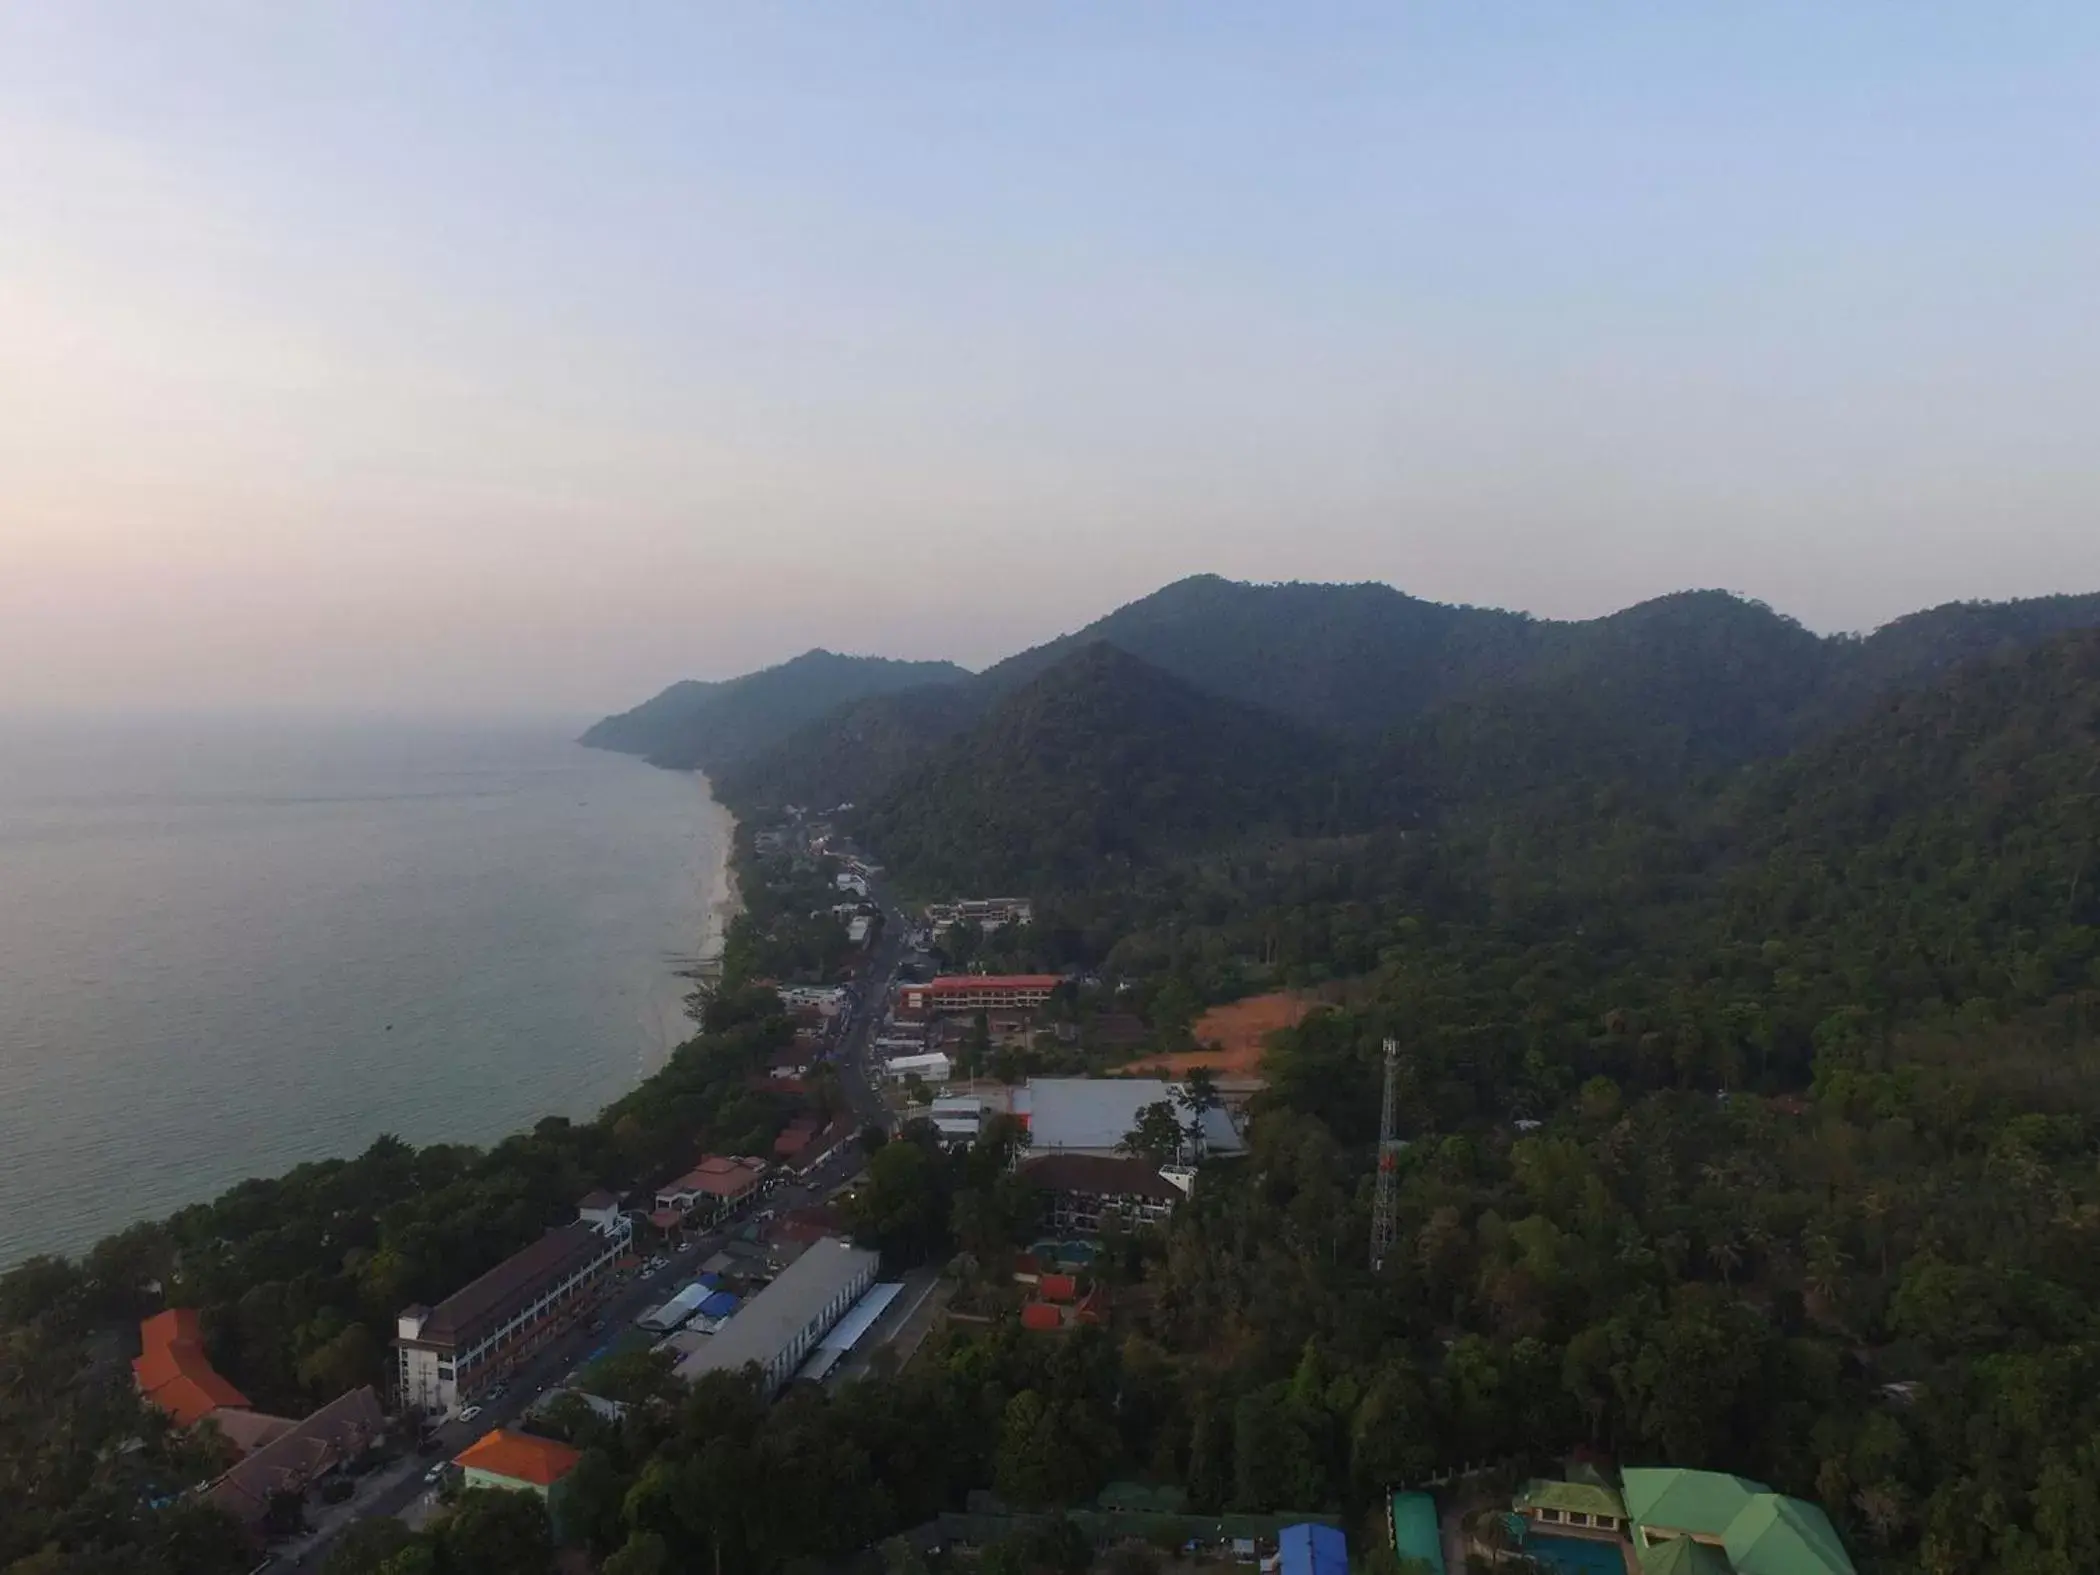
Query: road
x=396, y=1491
x=862, y=1085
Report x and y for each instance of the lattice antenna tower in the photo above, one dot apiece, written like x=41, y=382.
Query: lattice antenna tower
x=1386, y=1207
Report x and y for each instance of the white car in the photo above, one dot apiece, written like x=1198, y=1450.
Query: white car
x=470, y=1413
x=436, y=1473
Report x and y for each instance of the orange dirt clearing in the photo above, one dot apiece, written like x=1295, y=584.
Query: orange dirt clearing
x=1232, y=1035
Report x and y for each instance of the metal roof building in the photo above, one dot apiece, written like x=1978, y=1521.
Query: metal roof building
x=1091, y=1115
x=779, y=1326
x=1312, y=1549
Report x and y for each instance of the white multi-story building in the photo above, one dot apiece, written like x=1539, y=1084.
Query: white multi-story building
x=457, y=1349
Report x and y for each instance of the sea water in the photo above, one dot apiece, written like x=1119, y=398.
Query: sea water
x=230, y=947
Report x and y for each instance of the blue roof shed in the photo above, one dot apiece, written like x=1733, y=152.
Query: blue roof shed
x=1312, y=1549
x=719, y=1305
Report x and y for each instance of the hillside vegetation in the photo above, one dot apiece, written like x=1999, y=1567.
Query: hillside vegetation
x=1446, y=697
x=712, y=726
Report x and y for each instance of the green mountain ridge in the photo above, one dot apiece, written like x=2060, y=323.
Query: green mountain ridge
x=1675, y=685
x=1101, y=761
x=712, y=726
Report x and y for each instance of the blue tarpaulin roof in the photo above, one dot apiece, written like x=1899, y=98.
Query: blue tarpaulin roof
x=719, y=1305
x=1312, y=1550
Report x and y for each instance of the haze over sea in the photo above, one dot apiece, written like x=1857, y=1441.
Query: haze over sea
x=230, y=947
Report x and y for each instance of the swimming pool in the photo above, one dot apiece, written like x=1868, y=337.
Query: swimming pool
x=1575, y=1555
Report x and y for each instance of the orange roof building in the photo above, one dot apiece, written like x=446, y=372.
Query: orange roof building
x=174, y=1373
x=519, y=1459
x=520, y=1463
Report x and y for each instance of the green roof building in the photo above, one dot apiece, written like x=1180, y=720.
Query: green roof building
x=1584, y=1506
x=1760, y=1532
x=1683, y=1556
x=1411, y=1518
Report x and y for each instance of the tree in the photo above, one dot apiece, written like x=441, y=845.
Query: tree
x=644, y=1553
x=595, y=1496
x=1158, y=1135
x=493, y=1532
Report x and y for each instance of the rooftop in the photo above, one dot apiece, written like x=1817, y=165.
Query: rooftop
x=718, y=1176
x=1093, y=1115
x=778, y=1313
x=1103, y=1175
x=459, y=1317
x=519, y=1457
x=1581, y=1498
x=339, y=1430
x=173, y=1371
x=954, y=983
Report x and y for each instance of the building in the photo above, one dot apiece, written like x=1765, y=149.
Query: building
x=520, y=1463
x=1082, y=1193
x=791, y=1062
x=1410, y=1520
x=713, y=1187
x=601, y=1210
x=970, y=992
x=959, y=1118
x=470, y=1339
x=857, y=929
x=299, y=1456
x=987, y=913
x=828, y=999
x=1088, y=1115
x=928, y=1066
x=1585, y=1508
x=1312, y=1549
x=675, y=1313
x=779, y=1326
x=174, y=1373
x=1681, y=1520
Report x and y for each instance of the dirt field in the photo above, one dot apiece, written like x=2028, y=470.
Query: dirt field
x=1232, y=1036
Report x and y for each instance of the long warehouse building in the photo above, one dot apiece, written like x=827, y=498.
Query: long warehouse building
x=779, y=1326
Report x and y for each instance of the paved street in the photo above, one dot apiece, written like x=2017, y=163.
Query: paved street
x=401, y=1490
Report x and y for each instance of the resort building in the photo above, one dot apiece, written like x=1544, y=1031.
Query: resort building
x=1088, y=1115
x=1312, y=1549
x=464, y=1344
x=782, y=1324
x=930, y=1066
x=995, y=992
x=520, y=1463
x=1682, y=1520
x=712, y=1188
x=987, y=913
x=1082, y=1193
x=1578, y=1506
x=1410, y=1520
x=174, y=1373
x=299, y=1455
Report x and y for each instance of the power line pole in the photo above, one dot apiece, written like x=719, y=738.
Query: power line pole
x=1385, y=1209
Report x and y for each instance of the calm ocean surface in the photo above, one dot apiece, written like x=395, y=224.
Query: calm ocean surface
x=228, y=948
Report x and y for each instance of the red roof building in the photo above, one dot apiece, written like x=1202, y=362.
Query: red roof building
x=1041, y=1317
x=979, y=993
x=175, y=1374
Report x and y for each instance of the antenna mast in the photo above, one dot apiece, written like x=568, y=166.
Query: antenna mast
x=1385, y=1209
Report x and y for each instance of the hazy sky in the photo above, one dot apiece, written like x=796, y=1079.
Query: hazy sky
x=529, y=356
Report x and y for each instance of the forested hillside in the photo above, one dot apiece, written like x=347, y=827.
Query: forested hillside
x=1101, y=763
x=709, y=727
x=849, y=755
x=1443, y=700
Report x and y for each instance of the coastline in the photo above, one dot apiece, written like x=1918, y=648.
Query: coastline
x=728, y=895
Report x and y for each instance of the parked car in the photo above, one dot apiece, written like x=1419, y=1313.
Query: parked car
x=436, y=1473
x=470, y=1413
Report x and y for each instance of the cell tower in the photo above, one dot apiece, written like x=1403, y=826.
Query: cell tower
x=1385, y=1209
